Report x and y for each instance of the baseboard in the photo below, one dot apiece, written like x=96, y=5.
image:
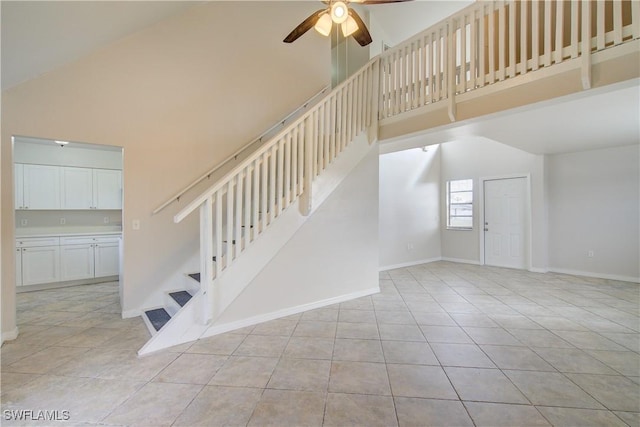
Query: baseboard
x=461, y=261
x=9, y=336
x=409, y=264
x=227, y=327
x=131, y=313
x=538, y=270
x=595, y=275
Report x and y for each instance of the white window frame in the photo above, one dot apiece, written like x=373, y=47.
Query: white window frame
x=448, y=205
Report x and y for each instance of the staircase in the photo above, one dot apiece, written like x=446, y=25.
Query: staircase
x=437, y=77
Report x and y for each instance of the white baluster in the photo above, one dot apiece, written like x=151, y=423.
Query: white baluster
x=230, y=197
x=600, y=26
x=238, y=217
x=206, y=257
x=559, y=32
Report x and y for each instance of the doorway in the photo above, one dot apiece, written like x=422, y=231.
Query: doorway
x=506, y=219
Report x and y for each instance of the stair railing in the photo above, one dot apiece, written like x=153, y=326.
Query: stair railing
x=242, y=205
x=492, y=41
x=263, y=136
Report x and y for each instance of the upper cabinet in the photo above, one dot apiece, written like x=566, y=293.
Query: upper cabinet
x=107, y=189
x=62, y=187
x=40, y=187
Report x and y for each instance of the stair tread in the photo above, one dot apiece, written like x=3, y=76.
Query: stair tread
x=158, y=317
x=196, y=276
x=181, y=297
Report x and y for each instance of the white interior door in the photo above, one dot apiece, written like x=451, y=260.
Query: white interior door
x=505, y=237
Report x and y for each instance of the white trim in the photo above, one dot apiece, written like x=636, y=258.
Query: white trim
x=528, y=226
x=226, y=327
x=538, y=270
x=461, y=261
x=128, y=314
x=409, y=264
x=9, y=336
x=595, y=275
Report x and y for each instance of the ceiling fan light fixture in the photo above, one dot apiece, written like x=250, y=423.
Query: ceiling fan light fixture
x=339, y=12
x=349, y=26
x=323, y=26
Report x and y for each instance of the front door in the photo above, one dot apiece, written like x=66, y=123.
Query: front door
x=505, y=237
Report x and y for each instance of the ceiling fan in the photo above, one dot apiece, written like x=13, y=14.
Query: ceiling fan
x=340, y=13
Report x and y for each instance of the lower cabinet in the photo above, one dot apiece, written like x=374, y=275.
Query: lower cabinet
x=37, y=261
x=49, y=260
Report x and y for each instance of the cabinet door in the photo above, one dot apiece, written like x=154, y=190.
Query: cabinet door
x=41, y=187
x=76, y=262
x=77, y=188
x=18, y=180
x=40, y=265
x=107, y=260
x=107, y=189
x=18, y=266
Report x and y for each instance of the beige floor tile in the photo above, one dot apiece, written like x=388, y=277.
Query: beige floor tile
x=224, y=344
x=316, y=329
x=220, y=406
x=278, y=327
x=321, y=315
x=484, y=385
x=408, y=352
x=138, y=368
x=191, y=368
x=45, y=361
x=289, y=408
x=414, y=412
x=463, y=355
x=354, y=377
x=309, y=348
x=616, y=393
x=624, y=362
x=445, y=334
x=539, y=338
x=94, y=362
x=262, y=345
x=400, y=333
x=92, y=337
x=573, y=360
x=358, y=350
x=434, y=319
x=359, y=410
x=630, y=418
x=10, y=380
x=551, y=389
x=580, y=417
x=520, y=358
x=357, y=316
x=630, y=341
x=501, y=415
x=495, y=336
x=395, y=318
x=157, y=404
x=366, y=331
x=240, y=371
x=475, y=320
x=420, y=381
x=301, y=374
x=589, y=340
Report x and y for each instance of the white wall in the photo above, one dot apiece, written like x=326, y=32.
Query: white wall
x=409, y=207
x=478, y=158
x=594, y=204
x=179, y=96
x=334, y=254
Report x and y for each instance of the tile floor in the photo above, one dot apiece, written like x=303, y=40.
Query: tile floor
x=442, y=344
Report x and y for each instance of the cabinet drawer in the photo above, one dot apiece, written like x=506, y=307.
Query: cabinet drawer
x=76, y=240
x=33, y=242
x=107, y=239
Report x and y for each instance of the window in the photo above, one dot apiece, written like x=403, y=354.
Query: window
x=460, y=204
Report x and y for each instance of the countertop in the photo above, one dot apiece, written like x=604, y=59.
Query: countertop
x=66, y=231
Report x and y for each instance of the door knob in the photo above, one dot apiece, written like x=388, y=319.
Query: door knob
x=486, y=229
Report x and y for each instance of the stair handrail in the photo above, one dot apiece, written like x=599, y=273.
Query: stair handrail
x=207, y=175
x=197, y=202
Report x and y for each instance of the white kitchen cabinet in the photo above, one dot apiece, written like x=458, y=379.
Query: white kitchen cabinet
x=41, y=187
x=76, y=188
x=107, y=189
x=40, y=260
x=18, y=176
x=76, y=258
x=107, y=257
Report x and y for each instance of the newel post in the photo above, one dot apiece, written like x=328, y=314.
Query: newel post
x=305, y=197
x=206, y=258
